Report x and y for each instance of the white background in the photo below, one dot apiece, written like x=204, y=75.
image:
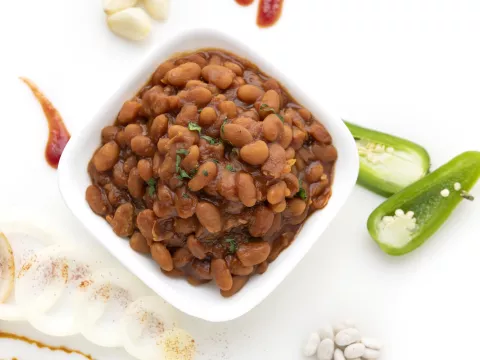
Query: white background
x=409, y=67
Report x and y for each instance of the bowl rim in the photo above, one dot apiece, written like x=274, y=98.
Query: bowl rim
x=162, y=52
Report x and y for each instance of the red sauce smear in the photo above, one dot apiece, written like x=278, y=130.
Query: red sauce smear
x=40, y=345
x=244, y=2
x=58, y=134
x=269, y=12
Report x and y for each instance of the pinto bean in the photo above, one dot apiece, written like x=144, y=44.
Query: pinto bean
x=106, y=156
x=325, y=153
x=320, y=134
x=247, y=191
x=181, y=258
x=249, y=93
x=136, y=185
x=145, y=221
x=314, y=172
x=162, y=256
x=270, y=102
x=122, y=223
x=209, y=216
x=185, y=205
x=276, y=192
x=272, y=127
x=202, y=269
x=159, y=127
x=261, y=268
x=298, y=138
x=226, y=186
x=206, y=173
x=262, y=221
x=279, y=207
x=228, y=108
x=221, y=274
x=218, y=75
x=143, y=146
x=139, y=243
x=253, y=253
x=275, y=164
x=96, y=200
x=287, y=136
x=296, y=206
x=255, y=153
x=237, y=268
x=238, y=282
x=162, y=69
x=237, y=69
x=293, y=184
x=145, y=169
x=190, y=161
x=164, y=205
x=129, y=112
x=199, y=96
x=236, y=135
x=305, y=114
x=180, y=75
x=109, y=133
x=207, y=117
x=196, y=247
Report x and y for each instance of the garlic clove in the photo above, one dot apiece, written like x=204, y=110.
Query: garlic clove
x=132, y=23
x=158, y=9
x=113, y=6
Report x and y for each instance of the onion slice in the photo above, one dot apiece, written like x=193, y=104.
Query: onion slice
x=7, y=268
x=104, y=303
x=25, y=239
x=63, y=318
x=144, y=324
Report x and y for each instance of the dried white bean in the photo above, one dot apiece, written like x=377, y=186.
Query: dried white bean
x=113, y=6
x=371, y=354
x=339, y=327
x=347, y=337
x=158, y=9
x=338, y=355
x=325, y=350
x=326, y=332
x=132, y=23
x=354, y=351
x=311, y=345
x=371, y=343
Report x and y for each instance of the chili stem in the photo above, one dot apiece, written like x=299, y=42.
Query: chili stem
x=467, y=196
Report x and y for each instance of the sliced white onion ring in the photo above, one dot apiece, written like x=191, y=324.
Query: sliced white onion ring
x=41, y=280
x=177, y=344
x=103, y=305
x=144, y=324
x=7, y=268
x=25, y=239
x=62, y=319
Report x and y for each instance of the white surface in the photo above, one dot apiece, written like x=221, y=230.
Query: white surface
x=409, y=67
x=208, y=304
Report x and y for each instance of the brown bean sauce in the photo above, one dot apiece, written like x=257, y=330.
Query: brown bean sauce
x=40, y=345
x=58, y=134
x=211, y=160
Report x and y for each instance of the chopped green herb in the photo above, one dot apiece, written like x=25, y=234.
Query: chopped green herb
x=302, y=193
x=185, y=196
x=232, y=245
x=193, y=172
x=223, y=125
x=183, y=174
x=182, y=151
x=215, y=161
x=151, y=186
x=205, y=173
x=199, y=110
x=194, y=127
x=272, y=110
x=177, y=163
x=230, y=168
x=211, y=140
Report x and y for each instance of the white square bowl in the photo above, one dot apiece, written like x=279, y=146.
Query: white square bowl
x=203, y=302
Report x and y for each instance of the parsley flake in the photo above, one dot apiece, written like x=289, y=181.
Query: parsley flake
x=205, y=173
x=272, y=110
x=151, y=186
x=185, y=196
x=194, y=127
x=230, y=168
x=212, y=141
x=302, y=193
x=232, y=245
x=177, y=163
x=182, y=151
